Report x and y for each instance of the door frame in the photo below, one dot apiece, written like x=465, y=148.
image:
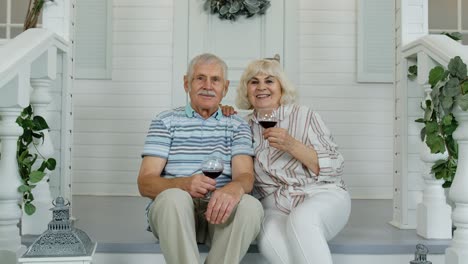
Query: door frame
x=290, y=59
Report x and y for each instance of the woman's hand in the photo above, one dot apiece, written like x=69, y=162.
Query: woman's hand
x=279, y=138
x=228, y=110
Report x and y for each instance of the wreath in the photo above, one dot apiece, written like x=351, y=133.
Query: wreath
x=232, y=9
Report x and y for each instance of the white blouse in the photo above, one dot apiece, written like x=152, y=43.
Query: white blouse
x=280, y=173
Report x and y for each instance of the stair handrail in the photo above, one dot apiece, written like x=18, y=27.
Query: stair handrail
x=440, y=48
x=24, y=49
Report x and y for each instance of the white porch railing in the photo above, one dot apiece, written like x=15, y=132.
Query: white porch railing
x=433, y=213
x=28, y=64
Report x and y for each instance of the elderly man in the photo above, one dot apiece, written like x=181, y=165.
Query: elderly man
x=170, y=174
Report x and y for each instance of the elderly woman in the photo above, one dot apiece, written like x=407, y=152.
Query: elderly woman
x=297, y=168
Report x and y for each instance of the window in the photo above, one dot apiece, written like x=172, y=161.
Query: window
x=375, y=49
x=93, y=39
x=12, y=14
x=449, y=16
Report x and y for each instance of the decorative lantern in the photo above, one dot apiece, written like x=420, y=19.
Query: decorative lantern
x=61, y=242
x=420, y=255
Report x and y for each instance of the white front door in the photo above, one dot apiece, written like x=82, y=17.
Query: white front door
x=237, y=42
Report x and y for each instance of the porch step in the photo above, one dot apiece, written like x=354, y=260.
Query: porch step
x=118, y=225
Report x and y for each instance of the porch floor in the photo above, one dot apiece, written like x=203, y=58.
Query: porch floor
x=118, y=224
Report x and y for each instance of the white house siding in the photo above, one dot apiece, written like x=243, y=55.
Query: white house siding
x=359, y=114
x=111, y=117
x=411, y=23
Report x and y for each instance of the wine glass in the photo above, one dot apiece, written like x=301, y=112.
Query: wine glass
x=267, y=117
x=212, y=167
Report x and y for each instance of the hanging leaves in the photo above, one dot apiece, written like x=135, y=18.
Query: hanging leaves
x=32, y=126
x=449, y=89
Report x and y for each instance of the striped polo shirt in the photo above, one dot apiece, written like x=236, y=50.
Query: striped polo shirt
x=184, y=139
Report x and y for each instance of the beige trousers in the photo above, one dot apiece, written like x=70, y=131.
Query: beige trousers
x=175, y=217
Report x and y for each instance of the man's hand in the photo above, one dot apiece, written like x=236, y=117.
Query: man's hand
x=222, y=202
x=279, y=138
x=198, y=185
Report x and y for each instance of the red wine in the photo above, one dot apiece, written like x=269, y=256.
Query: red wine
x=213, y=174
x=267, y=124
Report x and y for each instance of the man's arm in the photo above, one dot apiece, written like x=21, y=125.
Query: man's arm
x=225, y=199
x=150, y=182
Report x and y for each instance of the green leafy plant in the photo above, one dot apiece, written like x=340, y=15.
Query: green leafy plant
x=30, y=175
x=34, y=11
x=453, y=35
x=412, y=72
x=449, y=90
x=231, y=9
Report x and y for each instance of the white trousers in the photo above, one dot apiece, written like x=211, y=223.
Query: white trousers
x=301, y=237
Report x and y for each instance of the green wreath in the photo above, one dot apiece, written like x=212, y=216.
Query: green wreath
x=232, y=9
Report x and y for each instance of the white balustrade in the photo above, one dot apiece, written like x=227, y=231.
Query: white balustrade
x=10, y=213
x=433, y=213
x=457, y=253
x=40, y=99
x=29, y=59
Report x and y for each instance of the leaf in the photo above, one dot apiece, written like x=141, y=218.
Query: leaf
x=412, y=72
x=39, y=123
x=447, y=120
x=454, y=35
x=447, y=184
x=428, y=112
x=29, y=208
x=423, y=134
x=464, y=87
x=448, y=129
x=435, y=143
x=438, y=165
x=435, y=75
x=462, y=101
x=50, y=164
x=432, y=127
x=457, y=68
x=24, y=188
x=447, y=103
x=224, y=10
x=451, y=88
x=419, y=120
x=38, y=135
x=235, y=6
x=36, y=176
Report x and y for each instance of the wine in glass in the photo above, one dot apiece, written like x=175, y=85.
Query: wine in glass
x=212, y=167
x=267, y=117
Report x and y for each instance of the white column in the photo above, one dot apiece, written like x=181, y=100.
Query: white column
x=457, y=253
x=10, y=213
x=433, y=214
x=40, y=99
x=56, y=17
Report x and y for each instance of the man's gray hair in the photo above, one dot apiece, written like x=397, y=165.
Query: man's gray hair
x=206, y=58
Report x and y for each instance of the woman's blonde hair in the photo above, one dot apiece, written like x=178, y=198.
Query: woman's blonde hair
x=268, y=67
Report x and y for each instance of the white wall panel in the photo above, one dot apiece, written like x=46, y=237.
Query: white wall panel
x=112, y=117
x=359, y=115
x=142, y=12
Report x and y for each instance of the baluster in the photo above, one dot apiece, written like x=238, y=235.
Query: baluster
x=457, y=253
x=433, y=214
x=10, y=213
x=40, y=99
